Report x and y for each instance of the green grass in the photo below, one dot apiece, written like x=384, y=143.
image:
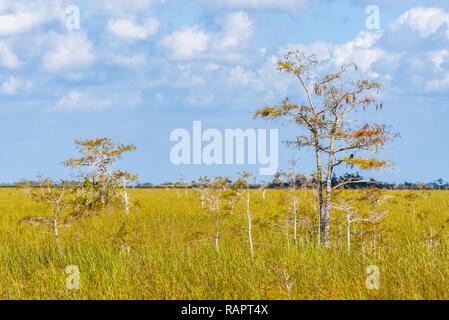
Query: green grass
x=169, y=259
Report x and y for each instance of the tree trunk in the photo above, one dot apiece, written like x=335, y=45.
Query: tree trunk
x=325, y=230
x=348, y=231
x=217, y=230
x=125, y=198
x=294, y=212
x=286, y=229
x=102, y=196
x=324, y=218
x=248, y=214
x=55, y=230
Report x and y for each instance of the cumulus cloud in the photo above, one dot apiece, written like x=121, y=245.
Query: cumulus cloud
x=425, y=21
x=401, y=69
x=13, y=84
x=68, y=51
x=438, y=57
x=24, y=16
x=240, y=76
x=423, y=33
x=404, y=68
x=187, y=42
x=362, y=51
x=260, y=4
x=193, y=42
x=7, y=58
x=18, y=22
x=237, y=28
x=129, y=29
x=80, y=101
x=126, y=6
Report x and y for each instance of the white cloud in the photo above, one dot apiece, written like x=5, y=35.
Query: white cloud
x=187, y=42
x=265, y=83
x=239, y=76
x=128, y=29
x=23, y=16
x=18, y=22
x=360, y=51
x=372, y=55
x=193, y=42
x=426, y=21
x=126, y=6
x=13, y=84
x=260, y=4
x=237, y=28
x=80, y=101
x=438, y=57
x=68, y=51
x=7, y=58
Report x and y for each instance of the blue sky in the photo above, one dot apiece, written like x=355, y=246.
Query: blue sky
x=137, y=70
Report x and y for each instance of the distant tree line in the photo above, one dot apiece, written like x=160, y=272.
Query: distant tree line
x=303, y=183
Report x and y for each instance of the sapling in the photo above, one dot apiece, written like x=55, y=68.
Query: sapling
x=124, y=238
x=433, y=231
x=353, y=210
x=201, y=187
x=220, y=192
x=123, y=178
x=186, y=184
x=291, y=179
x=242, y=187
x=55, y=196
x=263, y=187
x=288, y=283
x=282, y=203
x=212, y=193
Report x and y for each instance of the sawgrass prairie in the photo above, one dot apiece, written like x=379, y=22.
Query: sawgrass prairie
x=165, y=249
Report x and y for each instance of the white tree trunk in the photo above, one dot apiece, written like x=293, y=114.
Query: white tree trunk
x=217, y=230
x=286, y=229
x=202, y=200
x=248, y=214
x=294, y=212
x=125, y=197
x=55, y=229
x=348, y=232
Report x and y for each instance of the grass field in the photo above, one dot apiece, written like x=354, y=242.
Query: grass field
x=172, y=252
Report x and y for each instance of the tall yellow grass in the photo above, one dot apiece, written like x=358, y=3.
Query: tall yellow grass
x=171, y=256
